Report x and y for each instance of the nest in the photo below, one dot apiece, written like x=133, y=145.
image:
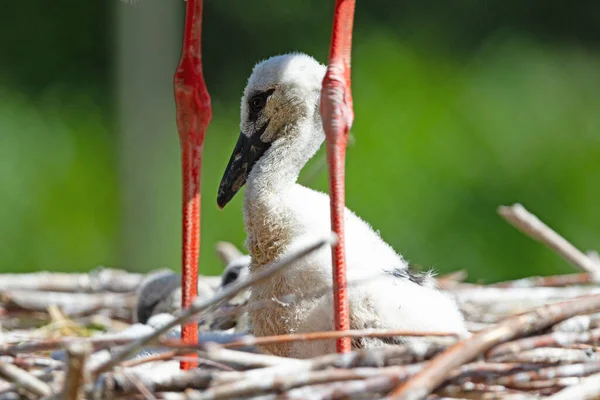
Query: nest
x=537, y=337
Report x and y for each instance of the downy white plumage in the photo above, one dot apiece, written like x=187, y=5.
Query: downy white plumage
x=281, y=130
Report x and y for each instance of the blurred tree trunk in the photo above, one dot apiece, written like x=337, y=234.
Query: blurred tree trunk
x=148, y=48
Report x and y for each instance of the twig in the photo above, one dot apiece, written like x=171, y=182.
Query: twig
x=164, y=356
x=77, y=355
x=487, y=370
x=33, y=362
x=345, y=390
x=256, y=386
x=500, y=297
x=227, y=293
x=393, y=355
x=246, y=360
x=562, y=371
x=175, y=354
x=554, y=383
x=483, y=391
x=529, y=224
x=408, y=353
x=326, y=335
x=139, y=385
x=587, y=389
x=549, y=340
x=69, y=303
x=549, y=355
x=116, y=382
x=452, y=279
x=175, y=380
x=98, y=343
x=578, y=323
x=99, y=280
x=547, y=281
x=24, y=379
x=594, y=256
x=64, y=325
x=432, y=376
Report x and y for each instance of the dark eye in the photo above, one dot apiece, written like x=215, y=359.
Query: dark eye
x=257, y=103
x=231, y=276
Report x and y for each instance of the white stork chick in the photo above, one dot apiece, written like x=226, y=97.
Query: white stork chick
x=281, y=130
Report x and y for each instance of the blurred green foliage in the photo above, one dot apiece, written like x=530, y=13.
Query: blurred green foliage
x=459, y=108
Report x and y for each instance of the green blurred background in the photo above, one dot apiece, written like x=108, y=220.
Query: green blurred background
x=460, y=107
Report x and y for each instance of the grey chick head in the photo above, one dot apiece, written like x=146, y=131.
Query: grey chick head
x=160, y=292
x=236, y=270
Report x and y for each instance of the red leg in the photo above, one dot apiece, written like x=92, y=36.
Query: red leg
x=193, y=116
x=337, y=114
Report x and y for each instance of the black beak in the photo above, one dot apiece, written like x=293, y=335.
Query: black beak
x=245, y=154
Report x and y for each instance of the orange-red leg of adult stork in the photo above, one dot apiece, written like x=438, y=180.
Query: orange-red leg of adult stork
x=337, y=115
x=193, y=116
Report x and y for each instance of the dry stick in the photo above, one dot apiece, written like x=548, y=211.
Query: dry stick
x=501, y=298
x=165, y=356
x=408, y=353
x=176, y=381
x=139, y=385
x=99, y=280
x=554, y=383
x=587, y=389
x=376, y=384
x=345, y=390
x=547, y=281
x=13, y=389
x=594, y=256
x=579, y=323
x=77, y=356
x=582, y=346
x=543, y=317
x=382, y=384
x=64, y=325
x=248, y=387
x=69, y=303
x=249, y=360
x=483, y=391
x=98, y=343
x=24, y=379
x=33, y=362
x=562, y=371
x=488, y=370
x=229, y=292
x=175, y=354
x=246, y=360
x=326, y=335
x=529, y=224
x=201, y=378
x=452, y=279
x=549, y=340
x=549, y=355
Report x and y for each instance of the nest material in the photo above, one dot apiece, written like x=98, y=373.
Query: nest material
x=531, y=338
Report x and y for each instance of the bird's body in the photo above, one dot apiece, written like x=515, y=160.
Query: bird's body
x=281, y=131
